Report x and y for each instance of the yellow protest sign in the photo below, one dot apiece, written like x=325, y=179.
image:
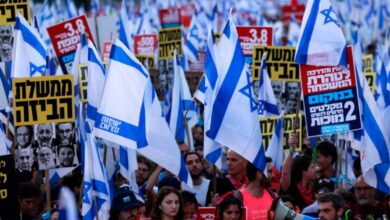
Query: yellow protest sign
x=268, y=127
x=280, y=63
x=147, y=61
x=368, y=63
x=83, y=82
x=9, y=10
x=40, y=100
x=169, y=39
x=371, y=80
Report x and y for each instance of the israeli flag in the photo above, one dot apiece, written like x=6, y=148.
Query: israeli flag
x=293, y=32
x=81, y=57
x=29, y=51
x=193, y=39
x=275, y=147
x=321, y=40
x=375, y=147
x=130, y=113
x=4, y=91
x=382, y=92
x=96, y=189
x=95, y=6
x=125, y=33
x=182, y=105
x=268, y=105
x=70, y=8
x=234, y=119
x=96, y=77
x=68, y=206
x=128, y=165
x=57, y=174
x=205, y=93
x=5, y=143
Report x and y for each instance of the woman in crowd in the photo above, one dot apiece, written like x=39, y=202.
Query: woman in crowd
x=230, y=208
x=168, y=205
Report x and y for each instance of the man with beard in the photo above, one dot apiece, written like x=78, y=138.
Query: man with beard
x=368, y=207
x=200, y=184
x=142, y=174
x=44, y=135
x=330, y=206
x=45, y=158
x=65, y=133
x=66, y=155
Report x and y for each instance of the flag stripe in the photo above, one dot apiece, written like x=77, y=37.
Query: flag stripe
x=29, y=37
x=119, y=55
x=92, y=58
x=228, y=86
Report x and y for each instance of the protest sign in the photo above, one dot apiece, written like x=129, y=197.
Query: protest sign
x=106, y=51
x=145, y=47
x=368, y=63
x=210, y=213
x=268, y=127
x=198, y=66
x=41, y=100
x=169, y=39
x=83, y=82
x=65, y=36
x=254, y=36
x=8, y=190
x=280, y=63
x=9, y=10
x=170, y=17
x=371, y=80
x=186, y=12
x=330, y=98
x=294, y=10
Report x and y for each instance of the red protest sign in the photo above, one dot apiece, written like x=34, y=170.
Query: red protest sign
x=106, y=50
x=210, y=213
x=186, y=12
x=170, y=17
x=252, y=36
x=65, y=36
x=145, y=45
x=294, y=10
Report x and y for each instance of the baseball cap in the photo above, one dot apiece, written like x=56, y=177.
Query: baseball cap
x=125, y=199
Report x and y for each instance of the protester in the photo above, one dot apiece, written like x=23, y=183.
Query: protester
x=142, y=173
x=125, y=205
x=168, y=205
x=30, y=201
x=236, y=165
x=326, y=158
x=190, y=205
x=230, y=208
x=330, y=206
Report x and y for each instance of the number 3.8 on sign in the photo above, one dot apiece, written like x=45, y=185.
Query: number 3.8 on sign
x=262, y=39
x=71, y=31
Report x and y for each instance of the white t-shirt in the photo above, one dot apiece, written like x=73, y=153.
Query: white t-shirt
x=199, y=191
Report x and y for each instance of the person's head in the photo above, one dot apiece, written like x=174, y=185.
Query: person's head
x=45, y=157
x=6, y=52
x=24, y=158
x=5, y=34
x=322, y=186
x=357, y=167
x=194, y=164
x=44, y=134
x=254, y=174
x=125, y=205
x=199, y=149
x=168, y=204
x=236, y=164
x=289, y=201
x=364, y=194
x=277, y=87
x=66, y=155
x=230, y=208
x=183, y=148
x=326, y=155
x=330, y=206
x=171, y=181
x=302, y=167
x=23, y=136
x=142, y=174
x=292, y=89
x=65, y=133
x=190, y=204
x=198, y=133
x=269, y=165
x=291, y=105
x=29, y=199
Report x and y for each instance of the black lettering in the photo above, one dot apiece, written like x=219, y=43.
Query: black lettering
x=55, y=88
x=12, y=13
x=33, y=104
x=20, y=90
x=43, y=89
x=69, y=108
x=31, y=84
x=54, y=115
x=24, y=105
x=66, y=87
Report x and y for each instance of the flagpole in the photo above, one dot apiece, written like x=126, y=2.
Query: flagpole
x=339, y=160
x=346, y=164
x=297, y=108
x=47, y=186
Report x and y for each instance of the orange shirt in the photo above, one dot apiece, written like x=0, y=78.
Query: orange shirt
x=257, y=207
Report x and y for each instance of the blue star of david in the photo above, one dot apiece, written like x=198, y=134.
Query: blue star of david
x=247, y=91
x=328, y=17
x=194, y=32
x=37, y=69
x=261, y=107
x=87, y=188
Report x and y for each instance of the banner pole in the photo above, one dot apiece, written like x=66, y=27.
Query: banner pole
x=47, y=186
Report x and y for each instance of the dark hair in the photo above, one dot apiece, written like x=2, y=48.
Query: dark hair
x=287, y=198
x=336, y=200
x=299, y=164
x=226, y=203
x=188, y=198
x=162, y=193
x=327, y=149
x=191, y=153
x=144, y=160
x=268, y=159
x=251, y=171
x=65, y=146
x=28, y=190
x=170, y=181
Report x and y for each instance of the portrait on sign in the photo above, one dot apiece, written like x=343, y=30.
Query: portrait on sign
x=6, y=42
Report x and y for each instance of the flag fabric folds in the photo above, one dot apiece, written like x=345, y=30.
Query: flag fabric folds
x=29, y=51
x=375, y=144
x=5, y=144
x=68, y=207
x=267, y=104
x=321, y=40
x=275, y=147
x=124, y=34
x=193, y=39
x=136, y=121
x=234, y=119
